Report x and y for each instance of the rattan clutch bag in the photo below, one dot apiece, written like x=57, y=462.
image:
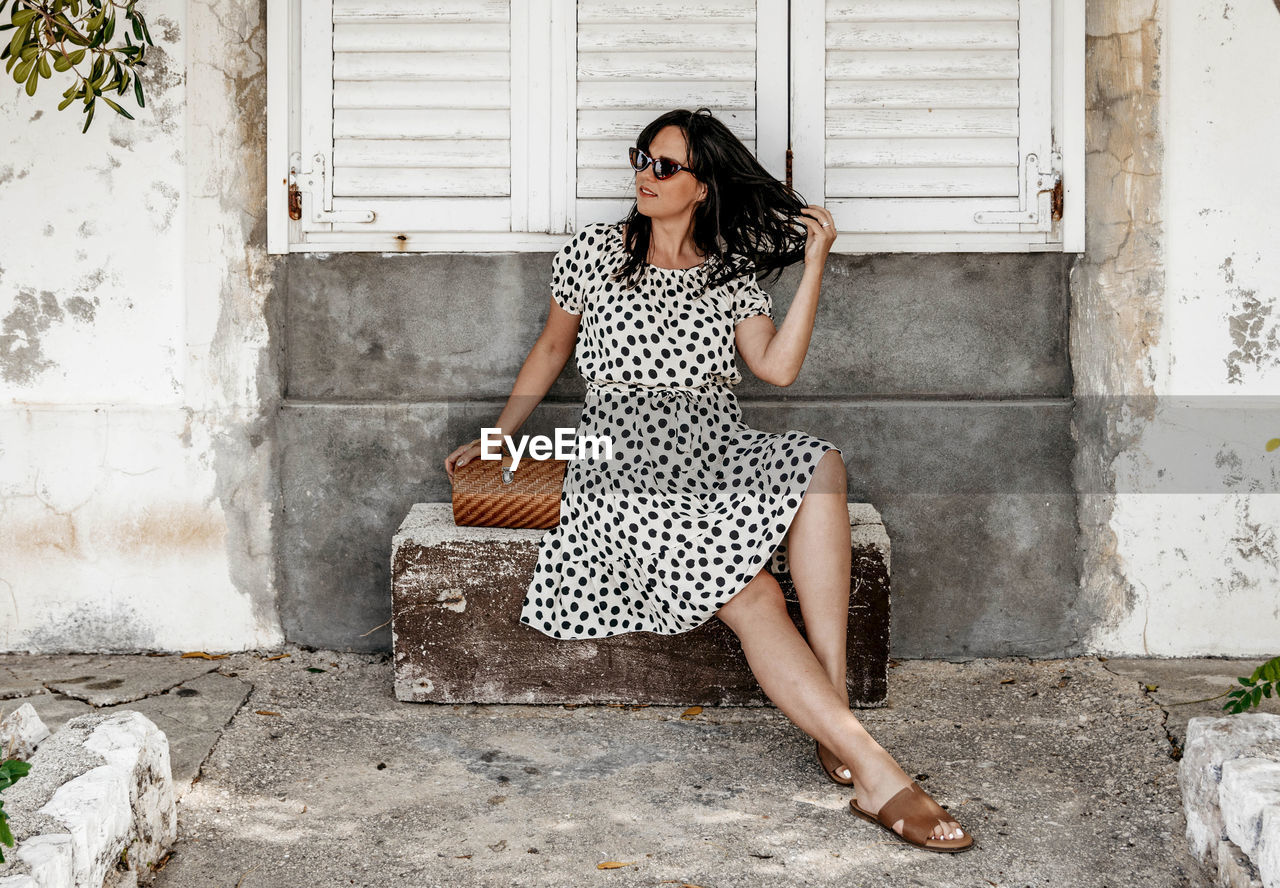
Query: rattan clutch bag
x=487, y=493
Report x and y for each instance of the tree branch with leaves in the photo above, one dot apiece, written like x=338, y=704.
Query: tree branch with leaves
x=68, y=31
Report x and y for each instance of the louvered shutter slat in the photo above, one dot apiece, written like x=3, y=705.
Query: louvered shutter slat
x=461, y=52
x=636, y=61
x=927, y=50
x=928, y=111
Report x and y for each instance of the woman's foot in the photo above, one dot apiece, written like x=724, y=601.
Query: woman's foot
x=879, y=778
x=832, y=765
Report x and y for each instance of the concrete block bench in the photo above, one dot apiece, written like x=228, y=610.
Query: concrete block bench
x=456, y=594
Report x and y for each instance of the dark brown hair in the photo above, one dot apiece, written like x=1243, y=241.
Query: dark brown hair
x=748, y=221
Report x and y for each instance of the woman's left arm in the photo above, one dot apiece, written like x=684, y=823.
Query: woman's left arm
x=777, y=355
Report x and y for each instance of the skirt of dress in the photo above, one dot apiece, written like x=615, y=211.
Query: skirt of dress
x=685, y=511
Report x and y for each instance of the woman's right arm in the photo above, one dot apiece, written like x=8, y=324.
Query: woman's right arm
x=546, y=360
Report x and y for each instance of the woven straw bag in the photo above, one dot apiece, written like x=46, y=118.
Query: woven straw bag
x=487, y=493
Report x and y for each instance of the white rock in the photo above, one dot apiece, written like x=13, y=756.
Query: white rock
x=1235, y=870
x=21, y=731
x=1249, y=787
x=101, y=786
x=51, y=859
x=1268, y=859
x=1210, y=742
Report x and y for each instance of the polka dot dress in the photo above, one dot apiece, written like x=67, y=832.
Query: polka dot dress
x=691, y=503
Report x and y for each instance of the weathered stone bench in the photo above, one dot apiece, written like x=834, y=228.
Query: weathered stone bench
x=456, y=594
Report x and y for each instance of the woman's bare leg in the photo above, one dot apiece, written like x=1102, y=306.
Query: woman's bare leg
x=799, y=686
x=819, y=555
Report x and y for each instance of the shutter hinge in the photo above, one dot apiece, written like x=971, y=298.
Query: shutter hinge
x=315, y=187
x=1041, y=198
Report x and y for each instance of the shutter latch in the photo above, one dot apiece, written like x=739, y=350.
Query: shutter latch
x=1040, y=199
x=316, y=188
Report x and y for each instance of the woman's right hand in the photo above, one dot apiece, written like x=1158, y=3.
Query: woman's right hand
x=462, y=456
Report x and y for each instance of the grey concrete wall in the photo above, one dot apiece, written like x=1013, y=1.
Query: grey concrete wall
x=945, y=378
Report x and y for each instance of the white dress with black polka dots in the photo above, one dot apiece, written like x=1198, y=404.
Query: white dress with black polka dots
x=692, y=503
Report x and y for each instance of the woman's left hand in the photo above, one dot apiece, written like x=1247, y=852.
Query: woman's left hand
x=820, y=238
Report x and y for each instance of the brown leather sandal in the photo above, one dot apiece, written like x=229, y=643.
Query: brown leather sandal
x=830, y=763
x=919, y=815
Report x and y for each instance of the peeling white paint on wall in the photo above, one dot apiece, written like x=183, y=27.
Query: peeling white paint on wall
x=1203, y=563
x=132, y=516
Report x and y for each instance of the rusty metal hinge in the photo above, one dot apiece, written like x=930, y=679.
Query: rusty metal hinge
x=1034, y=208
x=316, y=187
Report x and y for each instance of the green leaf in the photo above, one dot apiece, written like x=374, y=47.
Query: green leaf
x=1268, y=671
x=117, y=108
x=70, y=31
x=111, y=28
x=137, y=91
x=62, y=63
x=1256, y=697
x=22, y=16
x=15, y=768
x=1247, y=682
x=78, y=56
x=1266, y=690
x=43, y=65
x=88, y=118
x=146, y=32
x=20, y=72
x=19, y=38
x=33, y=80
x=65, y=102
x=137, y=28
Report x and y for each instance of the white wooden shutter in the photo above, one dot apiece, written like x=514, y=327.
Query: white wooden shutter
x=424, y=117
x=927, y=123
x=638, y=60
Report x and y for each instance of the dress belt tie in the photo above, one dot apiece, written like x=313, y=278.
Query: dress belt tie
x=673, y=396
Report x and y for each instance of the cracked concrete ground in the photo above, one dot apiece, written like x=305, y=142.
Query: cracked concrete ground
x=304, y=770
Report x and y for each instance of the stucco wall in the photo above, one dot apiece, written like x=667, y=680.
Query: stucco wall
x=1174, y=334
x=137, y=488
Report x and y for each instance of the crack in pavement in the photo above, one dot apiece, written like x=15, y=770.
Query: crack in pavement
x=1175, y=751
x=143, y=696
x=220, y=731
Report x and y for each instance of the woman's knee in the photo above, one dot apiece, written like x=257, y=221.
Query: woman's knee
x=829, y=476
x=762, y=592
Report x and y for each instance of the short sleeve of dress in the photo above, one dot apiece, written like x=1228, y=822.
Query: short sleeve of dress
x=567, y=267
x=749, y=300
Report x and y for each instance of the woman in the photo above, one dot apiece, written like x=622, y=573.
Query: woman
x=677, y=523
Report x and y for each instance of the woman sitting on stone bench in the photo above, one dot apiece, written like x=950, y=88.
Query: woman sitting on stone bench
x=675, y=525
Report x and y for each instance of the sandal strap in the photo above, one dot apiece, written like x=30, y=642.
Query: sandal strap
x=917, y=811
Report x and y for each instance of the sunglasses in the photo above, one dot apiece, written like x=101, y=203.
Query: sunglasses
x=663, y=167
